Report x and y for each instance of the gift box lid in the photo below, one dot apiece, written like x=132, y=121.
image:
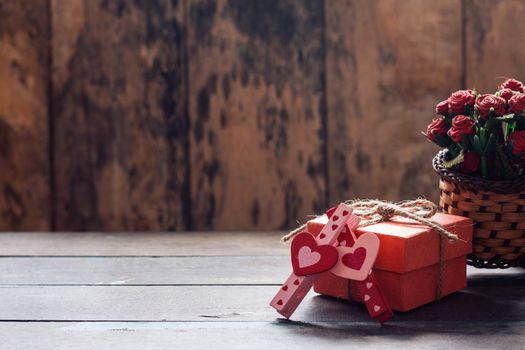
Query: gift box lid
x=407, y=245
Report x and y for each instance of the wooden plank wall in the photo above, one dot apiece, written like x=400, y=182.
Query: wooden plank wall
x=24, y=132
x=118, y=106
x=256, y=106
x=230, y=114
x=493, y=43
x=388, y=64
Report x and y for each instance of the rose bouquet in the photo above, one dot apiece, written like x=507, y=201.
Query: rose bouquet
x=483, y=134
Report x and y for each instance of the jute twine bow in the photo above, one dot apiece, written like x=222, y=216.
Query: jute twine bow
x=375, y=211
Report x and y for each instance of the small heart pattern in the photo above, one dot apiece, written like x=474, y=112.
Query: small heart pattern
x=330, y=212
x=310, y=258
x=373, y=297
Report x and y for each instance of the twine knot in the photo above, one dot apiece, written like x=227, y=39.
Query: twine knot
x=386, y=212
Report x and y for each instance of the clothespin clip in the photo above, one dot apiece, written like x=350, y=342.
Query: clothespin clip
x=310, y=257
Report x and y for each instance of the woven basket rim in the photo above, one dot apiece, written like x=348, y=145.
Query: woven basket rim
x=477, y=184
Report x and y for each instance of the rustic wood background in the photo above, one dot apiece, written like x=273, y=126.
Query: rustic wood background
x=151, y=115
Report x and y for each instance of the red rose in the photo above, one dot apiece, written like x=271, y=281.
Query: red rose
x=461, y=125
x=442, y=108
x=517, y=103
x=459, y=99
x=518, y=145
x=439, y=126
x=506, y=94
x=487, y=101
x=470, y=163
x=512, y=84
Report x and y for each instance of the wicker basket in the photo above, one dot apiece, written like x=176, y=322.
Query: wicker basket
x=497, y=209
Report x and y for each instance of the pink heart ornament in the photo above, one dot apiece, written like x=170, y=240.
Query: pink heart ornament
x=356, y=262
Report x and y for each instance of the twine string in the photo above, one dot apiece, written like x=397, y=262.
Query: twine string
x=376, y=211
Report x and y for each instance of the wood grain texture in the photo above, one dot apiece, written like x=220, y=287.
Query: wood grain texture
x=201, y=270
x=230, y=114
x=24, y=63
x=493, y=52
x=256, y=104
x=119, y=115
x=349, y=335
x=387, y=65
x=239, y=303
x=142, y=244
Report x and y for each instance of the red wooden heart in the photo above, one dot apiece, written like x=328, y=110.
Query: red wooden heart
x=308, y=258
x=356, y=259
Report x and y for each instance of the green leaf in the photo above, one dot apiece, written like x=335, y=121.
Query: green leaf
x=467, y=110
x=508, y=170
x=492, y=124
x=454, y=149
x=490, y=144
x=455, y=161
x=465, y=142
x=442, y=140
x=482, y=139
x=476, y=146
x=508, y=129
x=492, y=113
x=520, y=121
x=476, y=115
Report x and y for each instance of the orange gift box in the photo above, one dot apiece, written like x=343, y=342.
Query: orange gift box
x=407, y=266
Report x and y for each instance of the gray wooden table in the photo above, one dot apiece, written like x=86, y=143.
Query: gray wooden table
x=211, y=291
